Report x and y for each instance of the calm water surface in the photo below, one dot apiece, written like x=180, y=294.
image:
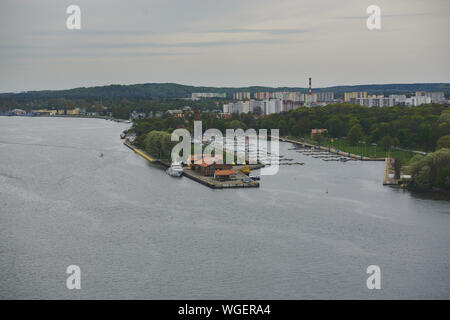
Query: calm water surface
x=137, y=233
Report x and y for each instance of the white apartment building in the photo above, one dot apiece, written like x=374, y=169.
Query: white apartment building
x=241, y=96
x=436, y=97
x=266, y=106
x=417, y=100
x=374, y=101
x=354, y=95
x=325, y=96
x=199, y=95
x=398, y=98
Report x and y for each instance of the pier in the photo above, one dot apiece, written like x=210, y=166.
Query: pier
x=388, y=176
x=214, y=184
x=143, y=154
x=205, y=180
x=331, y=150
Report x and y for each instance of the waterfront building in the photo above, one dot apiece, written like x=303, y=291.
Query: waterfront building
x=45, y=112
x=317, y=131
x=138, y=115
x=18, y=112
x=223, y=175
x=203, y=168
x=206, y=166
x=73, y=112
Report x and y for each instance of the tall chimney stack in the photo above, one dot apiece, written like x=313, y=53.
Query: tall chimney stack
x=310, y=93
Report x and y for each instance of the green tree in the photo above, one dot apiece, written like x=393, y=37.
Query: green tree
x=443, y=142
x=431, y=171
x=397, y=168
x=355, y=134
x=158, y=144
x=236, y=124
x=386, y=142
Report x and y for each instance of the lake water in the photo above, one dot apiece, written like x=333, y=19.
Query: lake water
x=137, y=233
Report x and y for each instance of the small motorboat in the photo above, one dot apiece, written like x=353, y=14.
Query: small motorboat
x=175, y=170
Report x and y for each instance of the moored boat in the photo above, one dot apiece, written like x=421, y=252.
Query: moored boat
x=175, y=170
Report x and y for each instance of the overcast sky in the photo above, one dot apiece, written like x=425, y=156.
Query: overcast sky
x=222, y=43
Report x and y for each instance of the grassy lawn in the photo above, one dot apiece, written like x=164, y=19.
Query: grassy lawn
x=364, y=149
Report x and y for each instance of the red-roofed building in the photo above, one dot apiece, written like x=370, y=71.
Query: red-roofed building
x=317, y=131
x=224, y=174
x=206, y=166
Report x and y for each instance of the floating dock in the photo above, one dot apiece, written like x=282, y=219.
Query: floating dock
x=331, y=150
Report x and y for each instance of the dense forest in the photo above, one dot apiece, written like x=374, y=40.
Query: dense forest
x=120, y=108
x=173, y=90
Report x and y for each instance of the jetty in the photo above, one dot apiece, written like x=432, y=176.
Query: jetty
x=206, y=180
x=389, y=172
x=331, y=150
x=144, y=154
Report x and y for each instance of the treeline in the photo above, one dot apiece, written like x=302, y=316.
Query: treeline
x=174, y=90
x=158, y=144
x=407, y=127
x=119, y=108
x=431, y=171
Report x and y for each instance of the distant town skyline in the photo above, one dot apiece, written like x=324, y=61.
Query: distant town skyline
x=222, y=44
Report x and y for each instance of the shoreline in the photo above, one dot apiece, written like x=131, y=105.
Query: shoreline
x=204, y=180
x=71, y=116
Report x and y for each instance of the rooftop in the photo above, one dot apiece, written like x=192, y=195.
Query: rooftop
x=224, y=172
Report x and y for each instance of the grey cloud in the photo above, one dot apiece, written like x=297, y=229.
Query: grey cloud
x=263, y=31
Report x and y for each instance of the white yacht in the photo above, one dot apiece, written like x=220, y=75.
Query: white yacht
x=175, y=170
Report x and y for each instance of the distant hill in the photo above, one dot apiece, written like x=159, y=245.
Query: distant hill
x=173, y=90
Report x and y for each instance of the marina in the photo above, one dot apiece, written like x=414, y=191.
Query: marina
x=312, y=147
x=239, y=176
